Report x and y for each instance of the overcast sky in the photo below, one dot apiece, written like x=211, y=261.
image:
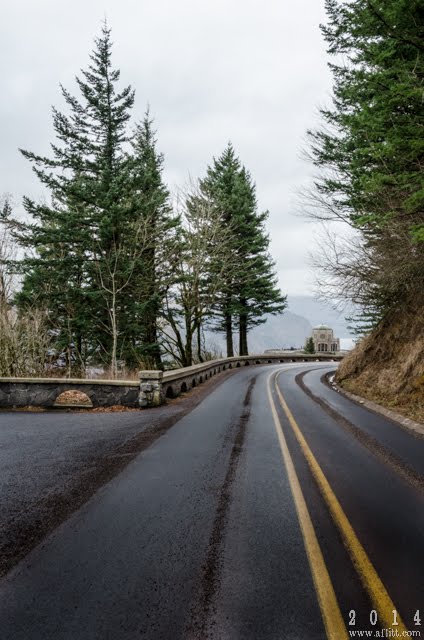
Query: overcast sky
x=253, y=72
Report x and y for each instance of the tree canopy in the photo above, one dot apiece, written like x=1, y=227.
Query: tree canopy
x=249, y=291
x=370, y=147
x=123, y=277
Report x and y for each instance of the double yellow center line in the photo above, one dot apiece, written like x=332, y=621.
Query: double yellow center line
x=330, y=610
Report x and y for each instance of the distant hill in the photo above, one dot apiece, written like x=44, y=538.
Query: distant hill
x=292, y=327
x=285, y=331
x=319, y=313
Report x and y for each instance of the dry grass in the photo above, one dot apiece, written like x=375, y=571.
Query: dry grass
x=91, y=374
x=388, y=366
x=123, y=374
x=410, y=405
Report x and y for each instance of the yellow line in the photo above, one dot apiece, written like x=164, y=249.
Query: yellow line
x=370, y=579
x=330, y=611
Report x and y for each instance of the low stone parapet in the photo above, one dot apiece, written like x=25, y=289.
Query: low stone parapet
x=44, y=392
x=152, y=389
x=172, y=383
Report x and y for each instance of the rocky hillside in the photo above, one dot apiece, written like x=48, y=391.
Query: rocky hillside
x=388, y=365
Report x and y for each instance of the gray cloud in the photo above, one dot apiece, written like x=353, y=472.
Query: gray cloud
x=244, y=70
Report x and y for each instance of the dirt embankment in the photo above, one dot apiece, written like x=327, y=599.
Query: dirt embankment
x=388, y=365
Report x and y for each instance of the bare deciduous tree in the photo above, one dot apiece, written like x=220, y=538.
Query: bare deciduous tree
x=202, y=257
x=115, y=273
x=24, y=340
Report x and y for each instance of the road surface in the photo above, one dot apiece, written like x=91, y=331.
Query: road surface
x=274, y=509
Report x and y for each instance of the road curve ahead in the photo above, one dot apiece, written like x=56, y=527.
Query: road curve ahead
x=275, y=509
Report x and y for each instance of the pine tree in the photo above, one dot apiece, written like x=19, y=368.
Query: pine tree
x=250, y=290
x=221, y=188
x=309, y=346
x=80, y=265
x=151, y=279
x=371, y=146
x=363, y=322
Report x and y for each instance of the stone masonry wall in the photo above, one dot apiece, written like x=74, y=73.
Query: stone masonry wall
x=44, y=392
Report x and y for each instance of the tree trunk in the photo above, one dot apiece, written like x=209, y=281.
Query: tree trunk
x=245, y=347
x=152, y=312
x=199, y=342
x=188, y=347
x=243, y=335
x=243, y=351
x=114, y=327
x=156, y=355
x=229, y=334
x=151, y=337
x=188, y=351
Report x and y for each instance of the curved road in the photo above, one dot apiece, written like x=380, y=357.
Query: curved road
x=274, y=509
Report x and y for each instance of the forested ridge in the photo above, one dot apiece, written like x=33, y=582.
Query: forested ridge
x=369, y=155
x=114, y=271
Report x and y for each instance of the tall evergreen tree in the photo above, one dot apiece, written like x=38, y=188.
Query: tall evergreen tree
x=370, y=149
x=79, y=264
x=221, y=187
x=250, y=290
x=154, y=271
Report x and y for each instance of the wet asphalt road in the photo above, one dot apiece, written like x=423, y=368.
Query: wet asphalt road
x=199, y=535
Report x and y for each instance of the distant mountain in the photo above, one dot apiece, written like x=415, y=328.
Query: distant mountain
x=292, y=327
x=285, y=331
x=319, y=313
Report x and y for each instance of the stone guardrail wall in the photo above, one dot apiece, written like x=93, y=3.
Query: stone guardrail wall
x=152, y=389
x=156, y=386
x=44, y=392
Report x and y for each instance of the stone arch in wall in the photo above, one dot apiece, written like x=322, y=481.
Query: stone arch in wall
x=73, y=397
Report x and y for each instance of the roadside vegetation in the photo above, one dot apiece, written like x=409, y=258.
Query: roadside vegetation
x=118, y=273
x=309, y=346
x=368, y=153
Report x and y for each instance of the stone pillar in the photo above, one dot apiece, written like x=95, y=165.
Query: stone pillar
x=151, y=389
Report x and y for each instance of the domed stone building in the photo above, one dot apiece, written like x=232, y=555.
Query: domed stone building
x=324, y=340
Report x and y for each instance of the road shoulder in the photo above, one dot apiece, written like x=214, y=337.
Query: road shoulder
x=416, y=428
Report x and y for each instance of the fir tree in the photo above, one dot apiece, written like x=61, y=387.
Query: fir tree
x=250, y=291
x=309, y=346
x=154, y=271
x=371, y=146
x=79, y=265
x=363, y=322
x=221, y=187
